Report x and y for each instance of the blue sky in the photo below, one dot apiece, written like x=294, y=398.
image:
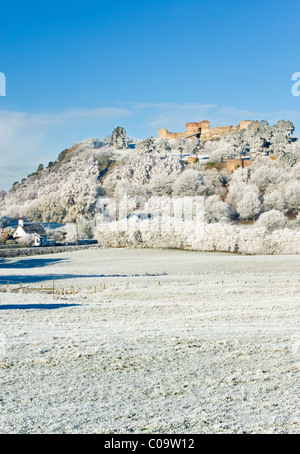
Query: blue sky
x=78, y=69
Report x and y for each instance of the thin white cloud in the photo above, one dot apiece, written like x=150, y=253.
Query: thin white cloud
x=50, y=119
x=103, y=113
x=26, y=139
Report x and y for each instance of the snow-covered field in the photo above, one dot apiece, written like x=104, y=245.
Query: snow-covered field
x=149, y=341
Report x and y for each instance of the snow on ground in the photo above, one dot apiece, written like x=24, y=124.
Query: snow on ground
x=150, y=342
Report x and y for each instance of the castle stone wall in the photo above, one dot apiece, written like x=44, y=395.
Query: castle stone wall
x=233, y=164
x=203, y=128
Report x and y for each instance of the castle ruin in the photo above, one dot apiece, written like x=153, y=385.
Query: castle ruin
x=202, y=130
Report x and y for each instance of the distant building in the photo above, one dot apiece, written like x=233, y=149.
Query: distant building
x=202, y=130
x=25, y=229
x=233, y=164
x=57, y=232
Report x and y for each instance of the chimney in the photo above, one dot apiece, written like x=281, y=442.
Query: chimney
x=21, y=222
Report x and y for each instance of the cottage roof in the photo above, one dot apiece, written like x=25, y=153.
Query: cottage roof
x=34, y=228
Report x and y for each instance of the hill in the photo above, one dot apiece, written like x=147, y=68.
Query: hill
x=86, y=180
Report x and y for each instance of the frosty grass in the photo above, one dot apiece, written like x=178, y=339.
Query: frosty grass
x=149, y=341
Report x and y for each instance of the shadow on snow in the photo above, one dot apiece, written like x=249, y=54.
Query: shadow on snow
x=29, y=263
x=7, y=307
x=28, y=279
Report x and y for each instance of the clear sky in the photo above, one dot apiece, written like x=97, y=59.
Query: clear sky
x=77, y=69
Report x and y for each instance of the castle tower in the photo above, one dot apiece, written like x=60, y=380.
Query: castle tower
x=205, y=126
x=192, y=128
x=244, y=124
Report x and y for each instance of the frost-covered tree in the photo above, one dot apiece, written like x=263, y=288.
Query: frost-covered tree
x=194, y=145
x=8, y=232
x=86, y=229
x=143, y=170
x=265, y=131
x=189, y=183
x=108, y=140
x=252, y=143
x=161, y=185
x=287, y=158
x=163, y=146
x=274, y=200
x=216, y=210
x=58, y=195
x=294, y=148
x=290, y=154
x=72, y=231
x=145, y=146
x=292, y=196
x=266, y=174
x=215, y=183
x=181, y=146
x=4, y=222
x=280, y=136
x=133, y=193
x=249, y=206
x=236, y=193
x=221, y=151
x=284, y=127
x=241, y=175
x=233, y=141
x=278, y=143
x=210, y=146
x=272, y=220
x=118, y=137
x=35, y=214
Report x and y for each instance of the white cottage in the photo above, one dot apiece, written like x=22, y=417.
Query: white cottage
x=25, y=229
